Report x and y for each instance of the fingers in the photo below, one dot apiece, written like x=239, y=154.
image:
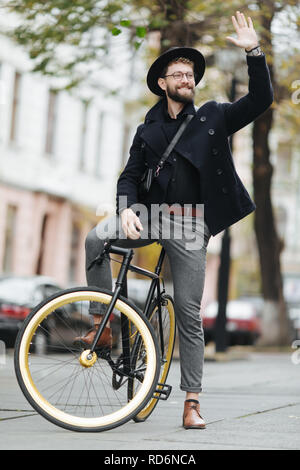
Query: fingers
x=240, y=21
x=132, y=232
x=138, y=224
x=250, y=23
x=131, y=224
x=235, y=23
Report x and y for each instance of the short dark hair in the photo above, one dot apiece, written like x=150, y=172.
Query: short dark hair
x=183, y=60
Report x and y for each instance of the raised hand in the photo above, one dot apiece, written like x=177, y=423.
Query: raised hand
x=246, y=35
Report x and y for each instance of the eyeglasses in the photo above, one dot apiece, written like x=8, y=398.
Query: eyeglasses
x=179, y=76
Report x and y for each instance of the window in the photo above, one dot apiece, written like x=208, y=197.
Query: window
x=99, y=143
x=51, y=121
x=15, y=107
x=75, y=242
x=126, y=145
x=1, y=97
x=85, y=105
x=1, y=87
x=9, y=238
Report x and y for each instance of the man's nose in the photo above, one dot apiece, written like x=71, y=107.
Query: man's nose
x=184, y=77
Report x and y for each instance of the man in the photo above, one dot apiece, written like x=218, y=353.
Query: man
x=200, y=170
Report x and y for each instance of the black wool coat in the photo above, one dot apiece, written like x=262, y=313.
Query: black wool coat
x=205, y=144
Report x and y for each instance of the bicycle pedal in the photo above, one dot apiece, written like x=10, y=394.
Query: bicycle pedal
x=163, y=392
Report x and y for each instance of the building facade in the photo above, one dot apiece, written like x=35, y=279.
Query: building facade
x=60, y=156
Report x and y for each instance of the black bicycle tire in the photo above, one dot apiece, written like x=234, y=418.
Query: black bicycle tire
x=29, y=397
x=143, y=414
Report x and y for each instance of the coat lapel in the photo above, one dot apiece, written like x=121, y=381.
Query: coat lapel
x=157, y=134
x=154, y=136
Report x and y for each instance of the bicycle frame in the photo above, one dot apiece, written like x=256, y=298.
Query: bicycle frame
x=91, y=401
x=121, y=289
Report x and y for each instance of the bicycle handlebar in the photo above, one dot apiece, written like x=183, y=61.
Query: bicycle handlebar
x=109, y=248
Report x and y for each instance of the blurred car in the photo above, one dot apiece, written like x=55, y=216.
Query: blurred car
x=291, y=291
x=242, y=322
x=138, y=291
x=20, y=294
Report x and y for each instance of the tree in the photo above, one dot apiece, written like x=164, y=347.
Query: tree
x=48, y=26
x=70, y=39
x=275, y=324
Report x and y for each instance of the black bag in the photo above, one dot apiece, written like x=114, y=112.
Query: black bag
x=145, y=183
x=150, y=173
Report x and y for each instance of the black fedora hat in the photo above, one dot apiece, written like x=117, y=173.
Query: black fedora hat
x=164, y=59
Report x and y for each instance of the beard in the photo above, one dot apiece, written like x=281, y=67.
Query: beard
x=181, y=98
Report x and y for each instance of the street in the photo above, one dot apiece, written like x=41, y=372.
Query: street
x=251, y=402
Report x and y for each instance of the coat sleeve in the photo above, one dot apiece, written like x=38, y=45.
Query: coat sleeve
x=128, y=182
x=259, y=98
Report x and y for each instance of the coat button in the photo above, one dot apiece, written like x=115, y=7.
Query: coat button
x=143, y=145
x=219, y=171
x=225, y=190
x=215, y=151
x=203, y=118
x=211, y=131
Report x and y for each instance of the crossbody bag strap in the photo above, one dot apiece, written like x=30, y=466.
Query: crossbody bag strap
x=173, y=143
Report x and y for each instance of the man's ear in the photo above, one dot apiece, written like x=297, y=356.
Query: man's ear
x=161, y=82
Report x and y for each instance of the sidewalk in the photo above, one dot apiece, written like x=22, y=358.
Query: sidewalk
x=251, y=400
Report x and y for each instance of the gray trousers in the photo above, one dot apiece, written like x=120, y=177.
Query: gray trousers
x=185, y=241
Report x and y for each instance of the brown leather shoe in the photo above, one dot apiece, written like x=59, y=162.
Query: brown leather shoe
x=105, y=339
x=191, y=416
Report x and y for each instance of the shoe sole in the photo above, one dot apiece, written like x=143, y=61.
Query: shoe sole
x=200, y=426
x=194, y=427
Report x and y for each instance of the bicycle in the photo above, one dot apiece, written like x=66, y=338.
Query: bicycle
x=97, y=389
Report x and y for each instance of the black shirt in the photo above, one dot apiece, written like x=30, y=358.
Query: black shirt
x=184, y=185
